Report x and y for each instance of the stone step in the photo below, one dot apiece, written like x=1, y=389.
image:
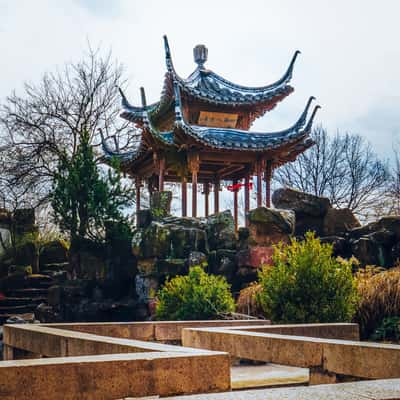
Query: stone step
x=32, y=292
x=20, y=301
x=21, y=309
x=54, y=267
x=24, y=316
x=59, y=275
x=38, y=281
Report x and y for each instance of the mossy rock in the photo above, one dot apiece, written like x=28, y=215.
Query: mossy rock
x=171, y=267
x=153, y=241
x=54, y=252
x=221, y=231
x=186, y=240
x=270, y=221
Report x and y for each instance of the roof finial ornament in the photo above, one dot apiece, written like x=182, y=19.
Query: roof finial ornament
x=200, y=53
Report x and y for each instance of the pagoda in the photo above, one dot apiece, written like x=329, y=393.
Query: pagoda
x=198, y=133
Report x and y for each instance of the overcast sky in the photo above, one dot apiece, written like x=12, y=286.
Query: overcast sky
x=350, y=50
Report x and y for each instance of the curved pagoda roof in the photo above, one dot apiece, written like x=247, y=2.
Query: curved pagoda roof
x=289, y=142
x=167, y=131
x=206, y=86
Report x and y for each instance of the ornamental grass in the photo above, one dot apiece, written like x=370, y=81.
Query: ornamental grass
x=247, y=302
x=379, y=297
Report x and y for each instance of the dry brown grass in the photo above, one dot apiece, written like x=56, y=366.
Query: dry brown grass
x=247, y=301
x=379, y=297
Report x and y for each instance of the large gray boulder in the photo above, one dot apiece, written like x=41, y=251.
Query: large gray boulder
x=301, y=203
x=339, y=221
x=310, y=210
x=220, y=230
x=314, y=213
x=389, y=223
x=268, y=226
x=377, y=243
x=54, y=252
x=174, y=239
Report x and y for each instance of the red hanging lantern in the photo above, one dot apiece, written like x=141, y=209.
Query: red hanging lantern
x=237, y=186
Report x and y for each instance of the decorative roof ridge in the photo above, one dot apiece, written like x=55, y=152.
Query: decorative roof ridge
x=178, y=105
x=168, y=59
x=135, y=109
x=301, y=122
x=311, y=120
x=251, y=89
x=200, y=70
x=148, y=124
x=109, y=153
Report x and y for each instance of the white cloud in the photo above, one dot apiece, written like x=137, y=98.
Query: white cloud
x=350, y=56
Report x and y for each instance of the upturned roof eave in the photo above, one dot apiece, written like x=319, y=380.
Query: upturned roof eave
x=235, y=139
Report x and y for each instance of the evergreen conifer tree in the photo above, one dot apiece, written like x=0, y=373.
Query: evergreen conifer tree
x=85, y=201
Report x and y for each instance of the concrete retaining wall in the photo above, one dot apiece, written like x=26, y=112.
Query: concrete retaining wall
x=114, y=376
x=329, y=360
x=158, y=331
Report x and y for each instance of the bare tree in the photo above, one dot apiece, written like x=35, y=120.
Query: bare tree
x=343, y=168
x=47, y=119
x=392, y=204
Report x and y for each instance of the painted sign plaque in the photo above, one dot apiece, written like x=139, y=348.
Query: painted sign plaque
x=217, y=119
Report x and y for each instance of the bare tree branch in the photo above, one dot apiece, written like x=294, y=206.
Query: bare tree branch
x=42, y=123
x=343, y=168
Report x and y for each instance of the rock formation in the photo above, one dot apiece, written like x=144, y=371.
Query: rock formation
x=314, y=213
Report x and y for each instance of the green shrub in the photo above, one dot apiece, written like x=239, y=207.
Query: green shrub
x=306, y=284
x=194, y=296
x=389, y=330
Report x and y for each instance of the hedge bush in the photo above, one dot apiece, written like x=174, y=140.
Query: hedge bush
x=194, y=296
x=307, y=284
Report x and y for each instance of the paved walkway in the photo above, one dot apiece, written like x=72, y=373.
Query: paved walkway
x=384, y=389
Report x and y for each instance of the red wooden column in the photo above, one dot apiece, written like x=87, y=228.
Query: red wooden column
x=259, y=184
x=246, y=199
x=206, y=189
x=137, y=185
x=184, y=196
x=161, y=172
x=194, y=165
x=216, y=195
x=235, y=204
x=194, y=193
x=268, y=177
